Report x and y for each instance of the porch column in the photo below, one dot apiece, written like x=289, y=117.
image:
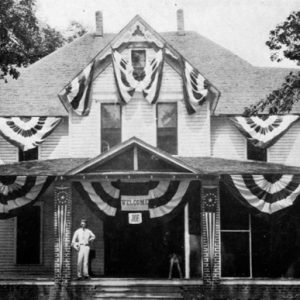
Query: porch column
x=210, y=207
x=62, y=232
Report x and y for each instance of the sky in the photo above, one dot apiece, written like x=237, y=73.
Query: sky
x=241, y=26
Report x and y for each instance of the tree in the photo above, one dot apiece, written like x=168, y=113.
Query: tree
x=74, y=31
x=22, y=39
x=284, y=42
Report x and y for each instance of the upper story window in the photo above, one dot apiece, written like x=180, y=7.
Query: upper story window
x=255, y=153
x=138, y=60
x=110, y=126
x=167, y=127
x=28, y=240
x=31, y=154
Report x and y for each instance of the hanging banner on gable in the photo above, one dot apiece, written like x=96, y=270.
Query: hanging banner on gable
x=127, y=85
x=264, y=193
x=263, y=132
x=17, y=192
x=76, y=95
x=195, y=87
x=27, y=133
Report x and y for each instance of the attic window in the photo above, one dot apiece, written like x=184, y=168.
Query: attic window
x=138, y=60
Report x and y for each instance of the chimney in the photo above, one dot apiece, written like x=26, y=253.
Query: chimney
x=99, y=23
x=180, y=22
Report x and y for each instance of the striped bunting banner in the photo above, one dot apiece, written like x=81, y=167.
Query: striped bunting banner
x=76, y=95
x=19, y=191
x=263, y=132
x=267, y=194
x=194, y=87
x=127, y=85
x=157, y=198
x=27, y=133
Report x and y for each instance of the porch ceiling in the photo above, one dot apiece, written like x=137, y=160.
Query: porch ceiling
x=203, y=165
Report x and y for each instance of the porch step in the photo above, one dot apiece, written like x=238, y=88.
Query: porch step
x=138, y=292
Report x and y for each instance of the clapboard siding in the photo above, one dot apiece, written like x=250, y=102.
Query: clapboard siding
x=85, y=133
x=226, y=140
x=287, y=148
x=8, y=152
x=57, y=144
x=8, y=245
x=7, y=233
x=193, y=131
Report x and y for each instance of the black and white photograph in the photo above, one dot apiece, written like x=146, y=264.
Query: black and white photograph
x=149, y=149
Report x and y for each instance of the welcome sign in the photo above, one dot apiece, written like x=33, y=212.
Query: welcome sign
x=134, y=204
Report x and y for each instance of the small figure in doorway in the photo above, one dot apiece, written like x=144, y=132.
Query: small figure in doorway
x=81, y=241
x=174, y=260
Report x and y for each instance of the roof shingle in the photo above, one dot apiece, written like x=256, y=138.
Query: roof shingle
x=240, y=83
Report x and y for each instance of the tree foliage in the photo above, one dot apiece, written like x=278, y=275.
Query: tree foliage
x=284, y=42
x=74, y=31
x=23, y=39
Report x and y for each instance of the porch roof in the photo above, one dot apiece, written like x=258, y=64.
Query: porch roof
x=203, y=166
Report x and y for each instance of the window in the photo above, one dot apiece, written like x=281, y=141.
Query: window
x=31, y=154
x=167, y=127
x=255, y=153
x=110, y=126
x=254, y=246
x=28, y=241
x=138, y=60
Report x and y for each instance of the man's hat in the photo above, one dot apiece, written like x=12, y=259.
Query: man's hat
x=83, y=220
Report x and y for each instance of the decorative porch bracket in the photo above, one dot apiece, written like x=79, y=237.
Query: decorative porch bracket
x=62, y=232
x=211, y=230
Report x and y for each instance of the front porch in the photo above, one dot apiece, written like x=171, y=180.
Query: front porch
x=199, y=234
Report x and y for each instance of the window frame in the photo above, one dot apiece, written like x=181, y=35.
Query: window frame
x=38, y=149
x=157, y=128
x=101, y=128
x=247, y=152
x=249, y=231
x=41, y=205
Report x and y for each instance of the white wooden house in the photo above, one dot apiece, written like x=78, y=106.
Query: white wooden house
x=149, y=143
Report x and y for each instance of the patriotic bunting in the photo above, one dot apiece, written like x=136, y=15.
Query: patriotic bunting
x=264, y=193
x=264, y=132
x=127, y=84
x=19, y=191
x=210, y=196
x=194, y=87
x=157, y=198
x=76, y=95
x=62, y=196
x=27, y=133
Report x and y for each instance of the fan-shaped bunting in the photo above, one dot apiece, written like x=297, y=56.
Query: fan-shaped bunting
x=158, y=198
x=27, y=133
x=19, y=191
x=267, y=194
x=264, y=132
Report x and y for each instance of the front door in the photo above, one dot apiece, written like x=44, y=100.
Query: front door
x=142, y=250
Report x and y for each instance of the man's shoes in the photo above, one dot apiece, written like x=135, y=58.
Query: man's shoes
x=87, y=277
x=79, y=278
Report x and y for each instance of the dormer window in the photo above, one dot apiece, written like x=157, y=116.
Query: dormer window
x=138, y=60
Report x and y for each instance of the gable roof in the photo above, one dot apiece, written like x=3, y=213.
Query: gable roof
x=240, y=83
x=118, y=150
x=203, y=165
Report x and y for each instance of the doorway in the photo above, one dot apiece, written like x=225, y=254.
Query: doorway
x=142, y=250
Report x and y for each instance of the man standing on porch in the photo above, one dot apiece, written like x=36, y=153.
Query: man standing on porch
x=81, y=242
